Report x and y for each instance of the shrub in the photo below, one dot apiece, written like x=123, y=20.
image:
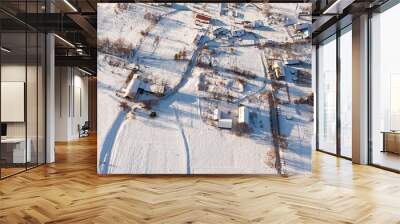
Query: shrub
x=103, y=44
x=241, y=129
x=181, y=55
x=144, y=32
x=153, y=18
x=309, y=100
x=241, y=72
x=147, y=105
x=124, y=105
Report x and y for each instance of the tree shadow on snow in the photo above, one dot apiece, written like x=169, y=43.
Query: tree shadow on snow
x=105, y=153
x=180, y=7
x=265, y=28
x=217, y=22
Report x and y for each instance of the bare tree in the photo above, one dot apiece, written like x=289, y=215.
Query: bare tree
x=156, y=40
x=124, y=105
x=266, y=9
x=120, y=7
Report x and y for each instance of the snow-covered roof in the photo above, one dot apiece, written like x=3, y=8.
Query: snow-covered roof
x=291, y=62
x=225, y=123
x=203, y=17
x=132, y=87
x=243, y=115
x=153, y=88
x=217, y=114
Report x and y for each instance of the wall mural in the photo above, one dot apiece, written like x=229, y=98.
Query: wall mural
x=221, y=88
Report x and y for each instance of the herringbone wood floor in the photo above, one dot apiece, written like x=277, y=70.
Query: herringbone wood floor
x=70, y=191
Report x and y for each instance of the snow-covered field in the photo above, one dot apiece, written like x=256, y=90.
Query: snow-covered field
x=181, y=137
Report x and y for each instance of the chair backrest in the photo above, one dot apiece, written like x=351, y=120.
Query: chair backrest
x=86, y=125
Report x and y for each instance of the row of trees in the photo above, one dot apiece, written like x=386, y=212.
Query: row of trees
x=309, y=100
x=119, y=47
x=181, y=55
x=241, y=72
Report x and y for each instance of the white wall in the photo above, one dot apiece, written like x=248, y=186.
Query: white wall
x=16, y=73
x=33, y=126
x=79, y=102
x=12, y=73
x=71, y=87
x=13, y=101
x=62, y=81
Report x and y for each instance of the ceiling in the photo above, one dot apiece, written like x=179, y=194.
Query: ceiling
x=75, y=22
x=332, y=15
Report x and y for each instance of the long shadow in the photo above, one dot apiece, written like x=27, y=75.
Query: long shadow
x=180, y=7
x=265, y=28
x=108, y=144
x=217, y=22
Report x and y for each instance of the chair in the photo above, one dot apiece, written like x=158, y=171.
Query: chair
x=84, y=130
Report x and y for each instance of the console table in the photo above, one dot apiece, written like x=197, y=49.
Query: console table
x=391, y=141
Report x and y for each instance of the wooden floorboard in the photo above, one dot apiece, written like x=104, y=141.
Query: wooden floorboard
x=70, y=191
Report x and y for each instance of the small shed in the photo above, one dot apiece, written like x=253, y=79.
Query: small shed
x=225, y=123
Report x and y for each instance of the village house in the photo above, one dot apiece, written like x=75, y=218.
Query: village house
x=201, y=18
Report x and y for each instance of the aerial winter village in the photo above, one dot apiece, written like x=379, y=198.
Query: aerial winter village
x=204, y=88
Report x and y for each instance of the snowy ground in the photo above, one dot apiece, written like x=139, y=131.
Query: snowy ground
x=180, y=140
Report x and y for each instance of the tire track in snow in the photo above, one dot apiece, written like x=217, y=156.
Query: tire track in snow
x=187, y=150
x=108, y=144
